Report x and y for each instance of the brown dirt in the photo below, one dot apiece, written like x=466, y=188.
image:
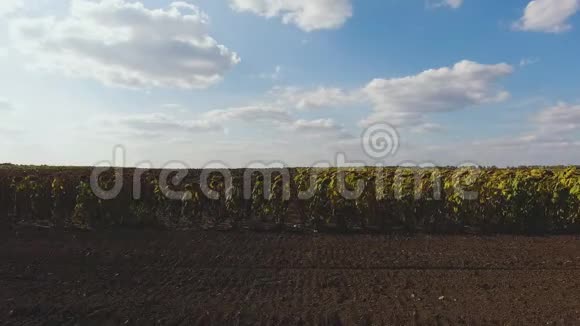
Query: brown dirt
x=212, y=278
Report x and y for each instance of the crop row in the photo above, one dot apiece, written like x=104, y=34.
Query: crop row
x=442, y=200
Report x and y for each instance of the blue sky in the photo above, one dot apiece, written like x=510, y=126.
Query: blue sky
x=491, y=82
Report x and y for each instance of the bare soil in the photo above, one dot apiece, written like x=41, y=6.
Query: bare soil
x=239, y=278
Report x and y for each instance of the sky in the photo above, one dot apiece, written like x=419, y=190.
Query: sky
x=236, y=83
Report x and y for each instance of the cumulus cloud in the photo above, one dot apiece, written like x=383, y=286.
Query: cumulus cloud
x=308, y=15
x=10, y=6
x=405, y=100
x=550, y=16
x=126, y=44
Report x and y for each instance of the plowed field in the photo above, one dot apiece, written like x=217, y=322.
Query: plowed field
x=238, y=278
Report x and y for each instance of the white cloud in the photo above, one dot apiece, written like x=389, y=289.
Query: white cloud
x=275, y=75
x=159, y=124
x=454, y=3
x=167, y=126
x=308, y=15
x=550, y=16
x=396, y=119
x=428, y=127
x=530, y=140
x=447, y=3
x=318, y=125
x=123, y=43
x=405, y=100
x=278, y=118
x=166, y=137
x=248, y=114
x=5, y=105
x=174, y=107
x=560, y=118
x=10, y=6
x=319, y=98
x=321, y=128
x=528, y=61
x=552, y=129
